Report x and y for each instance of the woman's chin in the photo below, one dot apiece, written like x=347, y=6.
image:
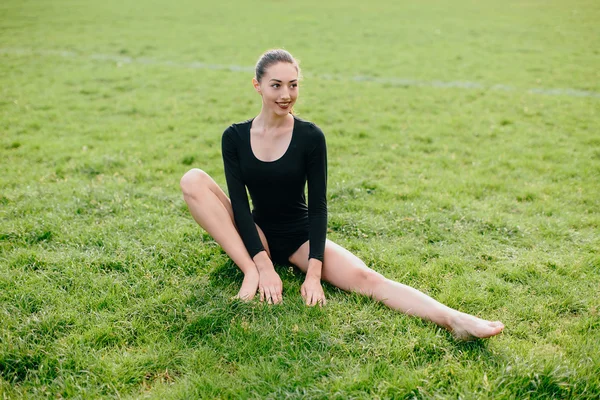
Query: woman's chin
x=282, y=112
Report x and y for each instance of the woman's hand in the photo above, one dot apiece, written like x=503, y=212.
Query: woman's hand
x=270, y=286
x=312, y=292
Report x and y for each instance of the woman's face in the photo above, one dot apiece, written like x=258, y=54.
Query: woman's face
x=278, y=88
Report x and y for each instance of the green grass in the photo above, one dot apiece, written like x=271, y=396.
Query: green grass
x=487, y=199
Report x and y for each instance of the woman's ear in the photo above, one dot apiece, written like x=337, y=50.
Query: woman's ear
x=256, y=85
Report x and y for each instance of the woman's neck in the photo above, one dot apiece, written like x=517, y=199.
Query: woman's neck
x=268, y=121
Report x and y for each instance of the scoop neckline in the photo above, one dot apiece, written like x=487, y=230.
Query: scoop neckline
x=284, y=153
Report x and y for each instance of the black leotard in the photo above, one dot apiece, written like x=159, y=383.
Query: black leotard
x=277, y=191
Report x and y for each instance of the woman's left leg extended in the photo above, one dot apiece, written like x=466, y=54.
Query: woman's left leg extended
x=343, y=269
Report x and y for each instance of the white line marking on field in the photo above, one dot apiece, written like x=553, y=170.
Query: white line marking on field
x=360, y=78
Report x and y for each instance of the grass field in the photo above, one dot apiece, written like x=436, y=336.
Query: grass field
x=464, y=160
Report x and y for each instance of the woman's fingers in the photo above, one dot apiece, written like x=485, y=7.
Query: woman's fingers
x=312, y=299
x=321, y=301
x=271, y=294
x=316, y=299
x=308, y=297
x=275, y=295
x=265, y=294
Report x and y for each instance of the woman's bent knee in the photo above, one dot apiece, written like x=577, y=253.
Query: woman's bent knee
x=193, y=180
x=368, y=280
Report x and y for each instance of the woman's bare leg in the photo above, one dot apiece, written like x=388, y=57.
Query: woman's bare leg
x=343, y=269
x=211, y=209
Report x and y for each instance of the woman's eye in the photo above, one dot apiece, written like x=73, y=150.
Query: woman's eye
x=275, y=85
x=294, y=85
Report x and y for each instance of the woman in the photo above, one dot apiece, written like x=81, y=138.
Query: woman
x=273, y=156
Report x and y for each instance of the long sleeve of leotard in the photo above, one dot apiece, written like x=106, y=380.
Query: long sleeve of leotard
x=237, y=193
x=317, y=195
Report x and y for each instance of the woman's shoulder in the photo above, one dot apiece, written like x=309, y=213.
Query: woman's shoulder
x=235, y=131
x=308, y=126
x=237, y=126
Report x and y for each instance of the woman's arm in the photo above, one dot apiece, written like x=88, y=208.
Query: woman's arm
x=237, y=193
x=317, y=194
x=270, y=285
x=311, y=290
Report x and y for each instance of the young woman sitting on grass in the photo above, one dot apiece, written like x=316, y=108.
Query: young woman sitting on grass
x=274, y=155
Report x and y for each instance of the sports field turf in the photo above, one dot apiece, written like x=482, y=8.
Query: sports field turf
x=464, y=160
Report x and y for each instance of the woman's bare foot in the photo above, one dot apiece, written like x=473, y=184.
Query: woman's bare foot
x=249, y=287
x=467, y=327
